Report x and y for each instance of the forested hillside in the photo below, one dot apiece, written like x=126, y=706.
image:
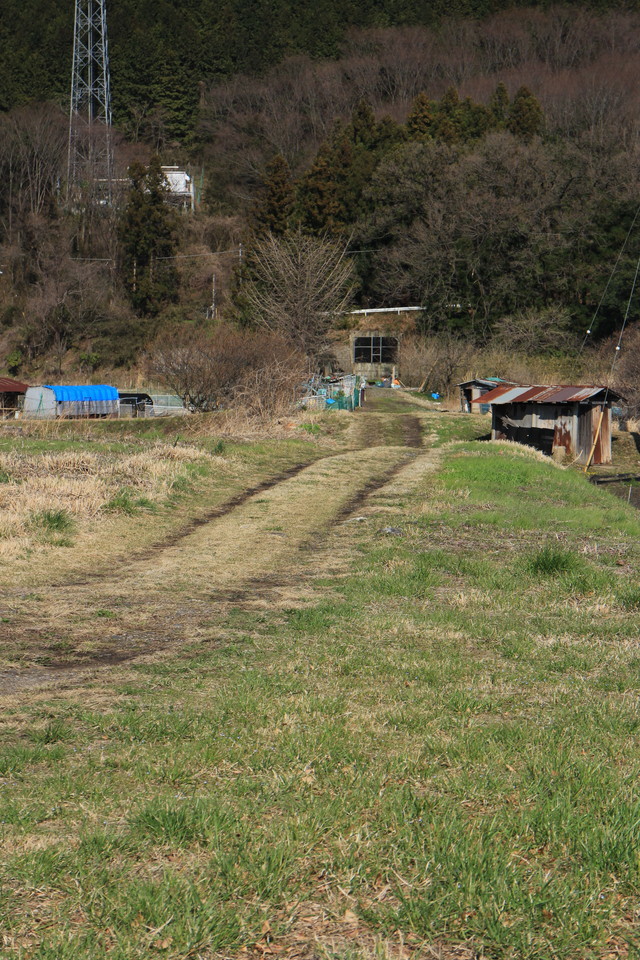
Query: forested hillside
x=484, y=165
x=162, y=52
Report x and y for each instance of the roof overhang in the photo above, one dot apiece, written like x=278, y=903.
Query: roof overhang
x=527, y=393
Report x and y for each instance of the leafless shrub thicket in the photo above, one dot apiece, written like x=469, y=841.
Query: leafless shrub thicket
x=537, y=331
x=434, y=363
x=270, y=390
x=223, y=367
x=440, y=362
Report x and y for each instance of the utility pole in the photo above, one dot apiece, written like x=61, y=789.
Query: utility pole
x=90, y=154
x=212, y=311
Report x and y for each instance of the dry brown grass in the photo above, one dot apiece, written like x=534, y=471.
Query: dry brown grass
x=250, y=425
x=82, y=484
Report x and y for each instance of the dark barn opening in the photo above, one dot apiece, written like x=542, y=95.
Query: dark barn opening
x=375, y=350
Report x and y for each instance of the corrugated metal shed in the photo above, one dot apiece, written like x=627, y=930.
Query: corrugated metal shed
x=572, y=421
x=473, y=390
x=83, y=394
x=7, y=385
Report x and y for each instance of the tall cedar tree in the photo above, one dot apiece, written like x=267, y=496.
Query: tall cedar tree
x=448, y=126
x=499, y=104
x=526, y=118
x=420, y=119
x=331, y=194
x=273, y=212
x=148, y=239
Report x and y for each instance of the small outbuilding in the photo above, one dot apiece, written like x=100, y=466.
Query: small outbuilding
x=50, y=402
x=135, y=404
x=11, y=394
x=554, y=419
x=472, y=390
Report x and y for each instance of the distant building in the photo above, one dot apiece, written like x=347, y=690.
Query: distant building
x=567, y=420
x=134, y=403
x=11, y=394
x=181, y=187
x=371, y=344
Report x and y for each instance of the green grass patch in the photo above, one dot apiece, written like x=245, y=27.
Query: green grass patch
x=441, y=737
x=126, y=502
x=52, y=521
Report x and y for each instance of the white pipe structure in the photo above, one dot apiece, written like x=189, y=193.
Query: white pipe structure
x=353, y=313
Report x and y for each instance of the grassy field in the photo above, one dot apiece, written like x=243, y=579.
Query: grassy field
x=410, y=734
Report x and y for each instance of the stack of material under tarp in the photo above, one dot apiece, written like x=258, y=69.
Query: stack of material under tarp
x=54, y=401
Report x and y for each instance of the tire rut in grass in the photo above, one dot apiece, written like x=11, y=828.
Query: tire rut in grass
x=370, y=487
x=249, y=588
x=412, y=430
x=215, y=513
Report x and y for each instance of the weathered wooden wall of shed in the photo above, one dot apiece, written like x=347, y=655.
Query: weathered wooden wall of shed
x=524, y=423
x=497, y=430
x=565, y=431
x=589, y=423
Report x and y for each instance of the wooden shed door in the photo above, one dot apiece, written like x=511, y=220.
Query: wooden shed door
x=563, y=431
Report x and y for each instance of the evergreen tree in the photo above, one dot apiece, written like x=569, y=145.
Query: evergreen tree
x=320, y=204
x=331, y=194
x=499, y=104
x=147, y=236
x=526, y=118
x=420, y=120
x=448, y=126
x=175, y=93
x=475, y=120
x=273, y=212
x=389, y=134
x=364, y=128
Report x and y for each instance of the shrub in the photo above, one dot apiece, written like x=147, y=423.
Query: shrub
x=221, y=366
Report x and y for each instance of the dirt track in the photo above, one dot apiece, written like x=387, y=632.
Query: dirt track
x=263, y=546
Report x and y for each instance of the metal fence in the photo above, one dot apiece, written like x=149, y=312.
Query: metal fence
x=345, y=393
x=144, y=409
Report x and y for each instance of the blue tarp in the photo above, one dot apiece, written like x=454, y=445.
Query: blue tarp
x=84, y=394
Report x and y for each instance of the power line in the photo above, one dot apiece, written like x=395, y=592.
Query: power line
x=235, y=251
x=611, y=276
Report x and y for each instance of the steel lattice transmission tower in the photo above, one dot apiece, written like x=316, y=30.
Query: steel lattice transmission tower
x=90, y=161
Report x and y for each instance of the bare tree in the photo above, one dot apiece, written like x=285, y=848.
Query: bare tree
x=32, y=155
x=299, y=285
x=434, y=362
x=537, y=331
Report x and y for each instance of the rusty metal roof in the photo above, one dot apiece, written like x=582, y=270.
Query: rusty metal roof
x=546, y=394
x=7, y=385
